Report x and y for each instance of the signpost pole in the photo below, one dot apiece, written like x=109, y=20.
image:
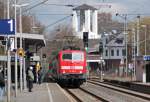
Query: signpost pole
x=21, y=58
x=8, y=61
x=16, y=65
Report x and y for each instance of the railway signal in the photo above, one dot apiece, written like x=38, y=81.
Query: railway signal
x=101, y=47
x=85, y=38
x=44, y=56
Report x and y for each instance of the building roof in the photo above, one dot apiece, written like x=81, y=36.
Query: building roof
x=93, y=43
x=84, y=7
x=30, y=39
x=116, y=40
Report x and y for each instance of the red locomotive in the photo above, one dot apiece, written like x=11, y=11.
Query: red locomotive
x=68, y=67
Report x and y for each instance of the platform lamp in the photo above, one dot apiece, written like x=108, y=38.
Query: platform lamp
x=21, y=57
x=145, y=31
x=124, y=17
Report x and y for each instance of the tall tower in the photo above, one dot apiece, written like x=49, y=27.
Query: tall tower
x=85, y=20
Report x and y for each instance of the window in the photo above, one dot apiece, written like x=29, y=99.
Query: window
x=73, y=56
x=77, y=56
x=117, y=52
x=123, y=52
x=106, y=52
x=67, y=56
x=106, y=41
x=119, y=40
x=112, y=52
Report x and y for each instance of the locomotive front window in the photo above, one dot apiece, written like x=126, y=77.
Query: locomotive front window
x=77, y=56
x=73, y=56
x=67, y=56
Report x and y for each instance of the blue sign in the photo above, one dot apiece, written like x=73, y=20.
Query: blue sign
x=146, y=58
x=7, y=26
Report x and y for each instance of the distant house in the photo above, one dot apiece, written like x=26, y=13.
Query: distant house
x=93, y=56
x=113, y=50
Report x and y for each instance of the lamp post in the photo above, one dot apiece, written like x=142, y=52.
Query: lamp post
x=138, y=38
x=21, y=57
x=124, y=16
x=145, y=31
x=134, y=51
x=144, y=72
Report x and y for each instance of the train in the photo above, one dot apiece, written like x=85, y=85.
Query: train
x=69, y=67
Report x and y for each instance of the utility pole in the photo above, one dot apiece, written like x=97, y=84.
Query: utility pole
x=138, y=39
x=21, y=58
x=16, y=65
x=124, y=16
x=145, y=39
x=126, y=42
x=21, y=51
x=8, y=60
x=134, y=71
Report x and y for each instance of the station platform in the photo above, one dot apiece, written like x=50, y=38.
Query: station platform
x=45, y=92
x=130, y=83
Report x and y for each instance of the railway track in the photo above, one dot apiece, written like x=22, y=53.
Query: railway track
x=121, y=89
x=82, y=95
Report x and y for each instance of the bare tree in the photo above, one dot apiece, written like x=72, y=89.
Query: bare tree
x=27, y=24
x=142, y=30
x=2, y=11
x=63, y=35
x=106, y=24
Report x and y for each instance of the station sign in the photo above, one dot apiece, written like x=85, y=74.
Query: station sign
x=146, y=58
x=7, y=26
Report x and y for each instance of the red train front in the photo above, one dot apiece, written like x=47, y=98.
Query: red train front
x=69, y=67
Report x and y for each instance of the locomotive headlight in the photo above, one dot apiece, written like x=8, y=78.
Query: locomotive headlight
x=65, y=67
x=78, y=67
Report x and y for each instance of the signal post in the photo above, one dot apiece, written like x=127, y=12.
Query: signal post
x=85, y=42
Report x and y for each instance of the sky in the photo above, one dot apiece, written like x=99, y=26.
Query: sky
x=46, y=13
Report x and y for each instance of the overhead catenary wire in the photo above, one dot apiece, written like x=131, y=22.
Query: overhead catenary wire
x=68, y=5
x=58, y=21
x=50, y=14
x=34, y=6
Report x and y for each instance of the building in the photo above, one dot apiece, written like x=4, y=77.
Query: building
x=114, y=52
x=85, y=20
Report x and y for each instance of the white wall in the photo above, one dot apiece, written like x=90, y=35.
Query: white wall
x=115, y=53
x=90, y=22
